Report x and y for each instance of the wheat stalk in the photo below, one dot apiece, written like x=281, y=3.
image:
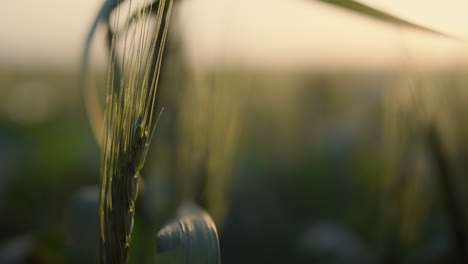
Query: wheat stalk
x=129, y=123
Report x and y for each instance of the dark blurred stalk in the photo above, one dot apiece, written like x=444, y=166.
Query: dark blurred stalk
x=446, y=180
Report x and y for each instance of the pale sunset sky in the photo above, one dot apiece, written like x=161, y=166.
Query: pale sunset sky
x=291, y=33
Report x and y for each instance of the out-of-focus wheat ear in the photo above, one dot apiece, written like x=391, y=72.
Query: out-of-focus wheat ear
x=191, y=237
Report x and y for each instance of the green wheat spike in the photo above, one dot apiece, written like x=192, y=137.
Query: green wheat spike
x=129, y=125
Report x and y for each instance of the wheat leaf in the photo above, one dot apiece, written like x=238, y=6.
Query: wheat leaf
x=380, y=15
